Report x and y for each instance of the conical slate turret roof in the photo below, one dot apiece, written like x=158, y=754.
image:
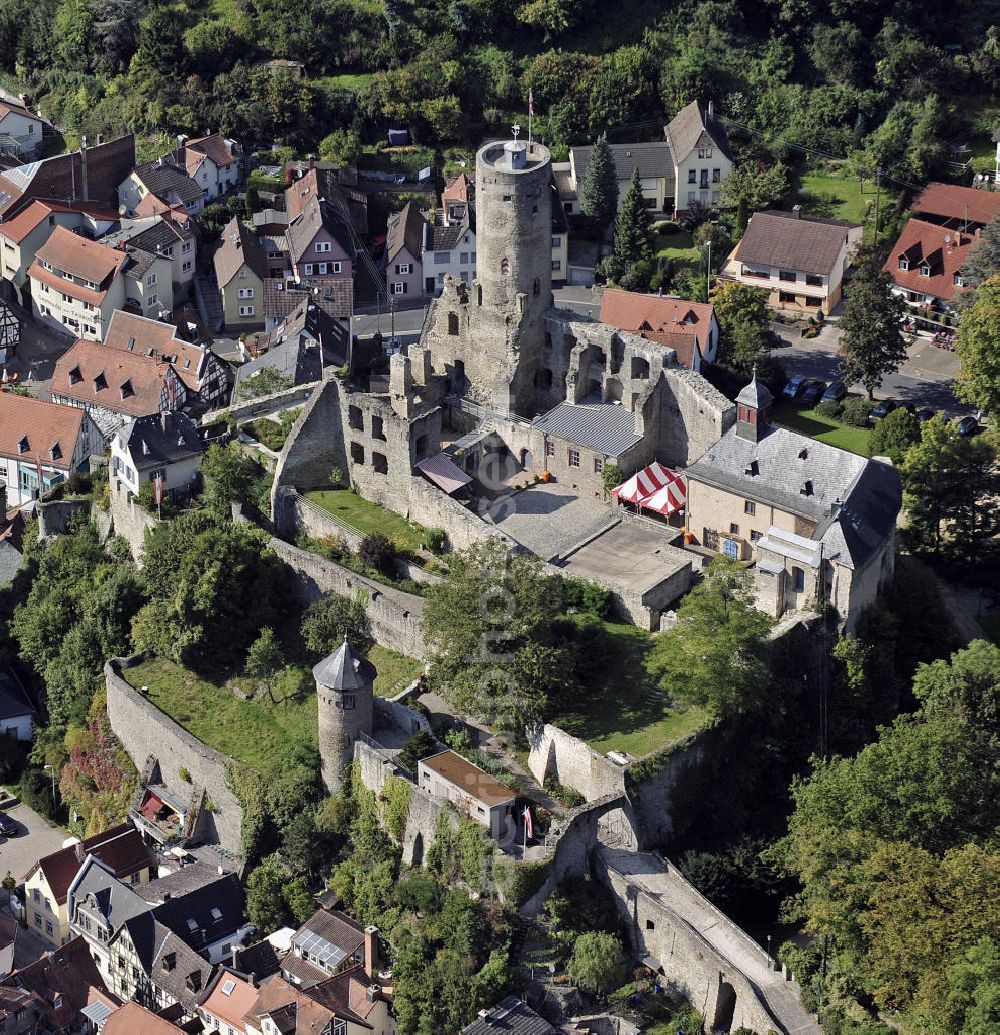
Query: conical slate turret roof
x=345, y=670
x=755, y=394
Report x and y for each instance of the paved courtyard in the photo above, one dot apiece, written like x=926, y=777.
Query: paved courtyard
x=37, y=837
x=548, y=519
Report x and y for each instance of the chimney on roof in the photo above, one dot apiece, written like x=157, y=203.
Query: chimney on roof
x=165, y=421
x=84, y=191
x=78, y=851
x=373, y=992
x=165, y=896
x=797, y=211
x=371, y=950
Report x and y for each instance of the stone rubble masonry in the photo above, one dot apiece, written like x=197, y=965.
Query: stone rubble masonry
x=131, y=521
x=146, y=732
x=54, y=516
x=555, y=753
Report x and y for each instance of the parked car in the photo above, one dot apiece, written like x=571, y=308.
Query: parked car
x=7, y=826
x=925, y=415
x=967, y=425
x=813, y=392
x=882, y=410
x=835, y=391
x=794, y=386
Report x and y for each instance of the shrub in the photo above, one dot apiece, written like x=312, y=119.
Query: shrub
x=184, y=773
x=597, y=600
x=856, y=411
x=419, y=746
x=377, y=552
x=830, y=408
x=598, y=962
x=435, y=540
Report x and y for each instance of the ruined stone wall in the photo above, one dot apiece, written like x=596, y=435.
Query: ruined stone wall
x=394, y=615
x=54, y=516
x=555, y=753
x=130, y=521
x=146, y=732
x=697, y=415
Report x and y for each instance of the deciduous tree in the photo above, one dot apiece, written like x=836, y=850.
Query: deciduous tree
x=979, y=349
x=598, y=962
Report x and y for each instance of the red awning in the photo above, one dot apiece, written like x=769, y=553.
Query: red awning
x=654, y=488
x=443, y=473
x=151, y=806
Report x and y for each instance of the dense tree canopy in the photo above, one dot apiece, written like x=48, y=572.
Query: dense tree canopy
x=979, y=349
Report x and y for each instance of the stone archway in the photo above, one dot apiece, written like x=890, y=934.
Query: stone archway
x=725, y=1006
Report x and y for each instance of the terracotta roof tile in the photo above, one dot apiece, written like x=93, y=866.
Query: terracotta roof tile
x=76, y=255
x=121, y=849
x=962, y=204
x=129, y=332
x=215, y=147
x=133, y=1019
x=655, y=317
x=231, y=998
x=43, y=426
x=942, y=250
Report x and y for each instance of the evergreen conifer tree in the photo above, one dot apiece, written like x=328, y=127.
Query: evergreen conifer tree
x=599, y=190
x=634, y=229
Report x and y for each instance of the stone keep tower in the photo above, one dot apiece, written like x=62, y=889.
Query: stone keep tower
x=513, y=286
x=345, y=698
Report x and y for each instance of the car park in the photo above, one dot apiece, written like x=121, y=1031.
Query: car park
x=967, y=425
x=813, y=392
x=794, y=386
x=882, y=409
x=835, y=391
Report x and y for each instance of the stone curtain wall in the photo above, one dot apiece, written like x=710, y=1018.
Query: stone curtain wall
x=130, y=521
x=283, y=400
x=555, y=753
x=55, y=515
x=395, y=616
x=147, y=732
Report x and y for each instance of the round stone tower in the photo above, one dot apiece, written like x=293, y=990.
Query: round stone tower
x=345, y=698
x=514, y=226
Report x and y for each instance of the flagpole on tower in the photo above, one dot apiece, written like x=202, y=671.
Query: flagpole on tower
x=531, y=112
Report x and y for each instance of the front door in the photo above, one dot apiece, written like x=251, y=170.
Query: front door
x=429, y=285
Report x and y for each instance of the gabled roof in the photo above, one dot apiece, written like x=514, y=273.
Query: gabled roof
x=122, y=382
x=867, y=517
x=943, y=252
x=36, y=212
x=203, y=906
x=303, y=228
x=121, y=849
x=230, y=998
x=164, y=179
x=654, y=316
x=459, y=188
x=959, y=204
x=296, y=346
x=654, y=160
x=603, y=427
x=170, y=963
x=685, y=129
x=786, y=240
x=334, y=928
x=405, y=230
x=8, y=107
x=334, y=295
x=291, y=1010
x=511, y=1017
x=48, y=430
x=346, y=994
x=756, y=394
x=237, y=246
x=153, y=233
x=445, y=238
x=133, y=1019
x=161, y=439
x=215, y=147
x=345, y=670
x=80, y=257
x=129, y=332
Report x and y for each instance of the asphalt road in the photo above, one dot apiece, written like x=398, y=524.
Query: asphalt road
x=37, y=837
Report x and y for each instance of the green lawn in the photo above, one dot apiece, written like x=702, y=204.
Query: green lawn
x=835, y=196
x=347, y=81
x=260, y=733
x=675, y=244
x=823, y=429
x=269, y=432
x=368, y=517
x=624, y=709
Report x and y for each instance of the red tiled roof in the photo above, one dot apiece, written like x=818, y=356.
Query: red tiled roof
x=121, y=849
x=74, y=254
x=233, y=1005
x=964, y=204
x=6, y=107
x=129, y=332
x=654, y=317
x=35, y=212
x=214, y=146
x=44, y=424
x=926, y=244
x=145, y=378
x=133, y=1019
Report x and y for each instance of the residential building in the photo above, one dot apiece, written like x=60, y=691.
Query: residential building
x=213, y=162
x=203, y=375
x=686, y=168
x=23, y=234
x=114, y=386
x=10, y=332
x=689, y=328
x=327, y=943
x=702, y=157
x=8, y=939
x=230, y=997
x=241, y=267
x=17, y=713
x=50, y=994
x=171, y=234
x=162, y=181
x=472, y=790
x=284, y=295
x=925, y=264
x=799, y=260
x=77, y=284
x=20, y=130
x=41, y=444
x=560, y=241
x=149, y=285
x=818, y=521
x=121, y=849
x=512, y=1017
x=133, y=1019
x=318, y=238
x=449, y=249
x=957, y=208
x=996, y=140
x=404, y=249
x=161, y=445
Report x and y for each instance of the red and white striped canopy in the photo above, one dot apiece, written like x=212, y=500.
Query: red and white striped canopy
x=654, y=488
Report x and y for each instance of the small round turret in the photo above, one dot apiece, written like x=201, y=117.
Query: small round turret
x=345, y=699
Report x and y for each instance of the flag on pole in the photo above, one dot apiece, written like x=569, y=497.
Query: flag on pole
x=528, y=826
x=158, y=489
x=531, y=102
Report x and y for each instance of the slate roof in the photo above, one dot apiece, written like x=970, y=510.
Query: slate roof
x=151, y=445
x=686, y=127
x=944, y=251
x=405, y=230
x=139, y=261
x=238, y=246
x=303, y=228
x=334, y=295
x=151, y=233
x=168, y=960
x=960, y=204
x=114, y=901
x=258, y=961
x=203, y=907
x=121, y=849
x=165, y=179
x=787, y=241
x=654, y=160
x=345, y=670
x=291, y=1010
x=755, y=394
x=332, y=926
x=512, y=1017
x=867, y=518
x=132, y=384
x=293, y=350
x=49, y=430
x=14, y=701
x=781, y=470
x=603, y=427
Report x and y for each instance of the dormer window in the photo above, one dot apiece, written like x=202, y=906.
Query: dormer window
x=100, y=382
x=75, y=376
x=925, y=270
x=904, y=264
x=55, y=453
x=169, y=961
x=131, y=344
x=959, y=282
x=807, y=489
x=193, y=981
x=23, y=445
x=752, y=469
x=127, y=390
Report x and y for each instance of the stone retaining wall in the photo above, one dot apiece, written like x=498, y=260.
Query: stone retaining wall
x=555, y=753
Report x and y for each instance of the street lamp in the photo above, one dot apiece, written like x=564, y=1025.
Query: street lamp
x=52, y=778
